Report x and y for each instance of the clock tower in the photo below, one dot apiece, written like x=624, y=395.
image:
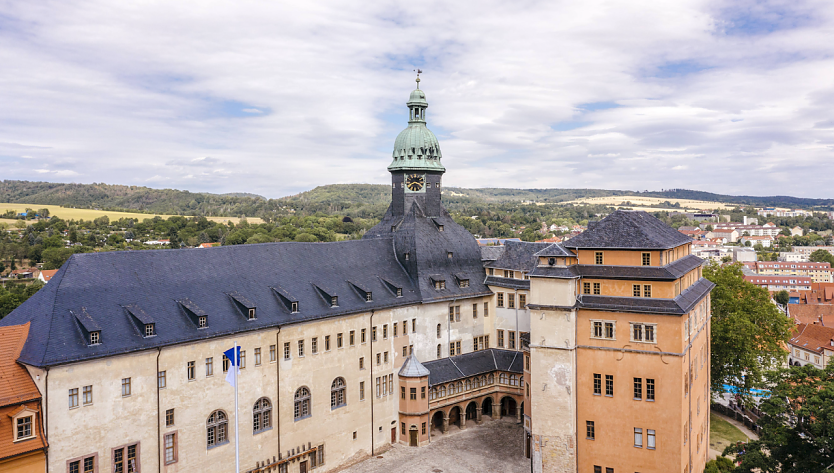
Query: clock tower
x=416, y=170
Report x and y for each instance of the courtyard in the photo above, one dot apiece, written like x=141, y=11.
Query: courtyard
x=495, y=445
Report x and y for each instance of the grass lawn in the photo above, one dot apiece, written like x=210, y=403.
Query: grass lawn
x=90, y=214
x=722, y=433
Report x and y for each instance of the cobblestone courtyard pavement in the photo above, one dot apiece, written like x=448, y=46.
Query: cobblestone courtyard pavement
x=493, y=446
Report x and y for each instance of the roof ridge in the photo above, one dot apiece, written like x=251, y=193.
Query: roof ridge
x=494, y=361
x=452, y=359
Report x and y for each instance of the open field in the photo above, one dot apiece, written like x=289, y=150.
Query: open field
x=90, y=214
x=654, y=203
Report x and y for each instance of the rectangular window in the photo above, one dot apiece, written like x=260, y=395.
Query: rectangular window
x=412, y=394
x=286, y=351
x=378, y=388
x=650, y=439
x=597, y=469
x=511, y=336
x=647, y=290
x=522, y=301
x=391, y=383
x=486, y=341
x=597, y=288
x=385, y=357
x=24, y=427
x=405, y=352
x=257, y=357
x=609, y=330
x=510, y=300
x=301, y=348
x=87, y=395
x=635, y=290
x=353, y=336
x=362, y=336
x=272, y=353
x=501, y=339
x=486, y=309
x=638, y=438
x=169, y=417
x=423, y=394
x=638, y=389
x=451, y=313
x=474, y=311
x=475, y=343
x=373, y=334
x=598, y=257
x=361, y=390
x=414, y=321
x=210, y=366
x=385, y=332
x=170, y=448
x=125, y=387
x=452, y=349
x=327, y=342
x=361, y=362
x=402, y=392
x=500, y=302
x=586, y=288
x=191, y=370
x=405, y=327
x=647, y=259
x=457, y=346
x=643, y=332
x=314, y=345
x=242, y=359
x=597, y=384
x=609, y=385
x=597, y=329
x=590, y=434
x=379, y=358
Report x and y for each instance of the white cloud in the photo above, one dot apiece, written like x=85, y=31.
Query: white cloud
x=280, y=97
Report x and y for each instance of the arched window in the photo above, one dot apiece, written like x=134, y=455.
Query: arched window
x=443, y=391
x=438, y=330
x=451, y=388
x=337, y=393
x=468, y=384
x=460, y=387
x=513, y=380
x=483, y=380
x=491, y=379
x=438, y=350
x=502, y=378
x=302, y=403
x=521, y=379
x=217, y=428
x=261, y=415
x=477, y=382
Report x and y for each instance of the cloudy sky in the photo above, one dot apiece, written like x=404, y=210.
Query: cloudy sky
x=278, y=97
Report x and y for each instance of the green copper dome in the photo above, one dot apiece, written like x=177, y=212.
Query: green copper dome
x=416, y=148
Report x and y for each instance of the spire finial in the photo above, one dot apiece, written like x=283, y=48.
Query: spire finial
x=419, y=71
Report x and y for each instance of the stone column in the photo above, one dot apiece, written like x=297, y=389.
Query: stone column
x=479, y=419
x=463, y=420
x=496, y=408
x=518, y=413
x=445, y=427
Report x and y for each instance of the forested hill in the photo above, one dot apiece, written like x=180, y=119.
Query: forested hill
x=358, y=200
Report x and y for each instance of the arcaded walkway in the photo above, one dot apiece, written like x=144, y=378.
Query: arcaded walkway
x=491, y=446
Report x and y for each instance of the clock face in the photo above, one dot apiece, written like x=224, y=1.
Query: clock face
x=415, y=182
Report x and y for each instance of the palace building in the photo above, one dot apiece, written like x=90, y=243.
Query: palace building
x=599, y=346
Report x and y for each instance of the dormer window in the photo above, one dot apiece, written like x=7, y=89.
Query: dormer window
x=400, y=294
x=464, y=283
x=407, y=256
x=551, y=261
x=202, y=321
x=95, y=338
x=449, y=254
x=149, y=330
x=294, y=307
x=252, y=313
x=440, y=284
x=24, y=428
x=369, y=297
x=440, y=228
x=334, y=301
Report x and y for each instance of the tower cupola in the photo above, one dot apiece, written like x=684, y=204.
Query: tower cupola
x=416, y=148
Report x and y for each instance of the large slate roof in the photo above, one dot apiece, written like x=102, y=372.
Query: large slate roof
x=115, y=291
x=508, y=283
x=673, y=270
x=628, y=229
x=474, y=363
x=680, y=305
x=518, y=256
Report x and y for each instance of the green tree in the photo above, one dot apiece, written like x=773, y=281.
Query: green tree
x=822, y=256
x=797, y=431
x=720, y=465
x=748, y=330
x=258, y=238
x=306, y=237
x=782, y=297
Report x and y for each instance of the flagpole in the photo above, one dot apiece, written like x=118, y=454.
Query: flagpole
x=237, y=436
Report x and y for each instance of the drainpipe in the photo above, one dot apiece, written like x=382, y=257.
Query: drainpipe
x=371, y=364
x=158, y=428
x=278, y=388
x=517, y=334
x=45, y=424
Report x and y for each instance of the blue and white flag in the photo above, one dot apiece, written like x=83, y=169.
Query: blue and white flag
x=233, y=354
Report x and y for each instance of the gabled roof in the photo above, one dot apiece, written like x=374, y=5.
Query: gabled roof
x=16, y=385
x=474, y=363
x=94, y=288
x=518, y=255
x=628, y=229
x=813, y=337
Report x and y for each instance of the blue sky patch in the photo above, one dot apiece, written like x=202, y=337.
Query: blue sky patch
x=678, y=69
x=595, y=106
x=569, y=125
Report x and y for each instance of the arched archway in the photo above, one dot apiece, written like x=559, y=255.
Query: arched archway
x=486, y=406
x=455, y=417
x=472, y=411
x=508, y=406
x=437, y=421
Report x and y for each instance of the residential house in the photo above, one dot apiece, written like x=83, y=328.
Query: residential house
x=796, y=231
x=807, y=250
x=818, y=272
x=726, y=235
x=46, y=275
x=780, y=283
x=765, y=241
x=811, y=343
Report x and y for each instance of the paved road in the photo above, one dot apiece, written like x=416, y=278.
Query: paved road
x=492, y=446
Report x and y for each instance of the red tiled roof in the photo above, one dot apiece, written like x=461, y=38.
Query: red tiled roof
x=813, y=337
x=15, y=383
x=810, y=313
x=48, y=273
